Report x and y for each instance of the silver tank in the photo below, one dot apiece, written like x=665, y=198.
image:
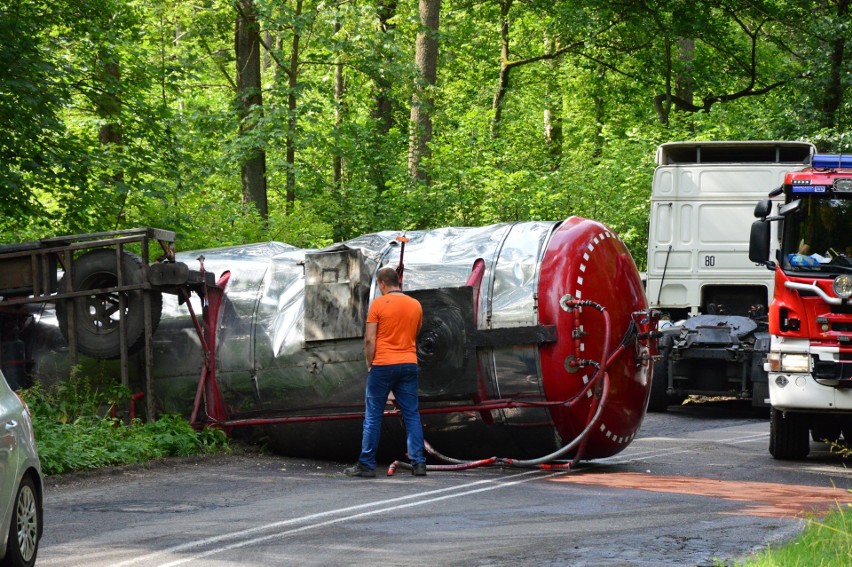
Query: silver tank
x=290, y=338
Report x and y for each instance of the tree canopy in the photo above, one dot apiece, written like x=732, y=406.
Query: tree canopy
x=232, y=121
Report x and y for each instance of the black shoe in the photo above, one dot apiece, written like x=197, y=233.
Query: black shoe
x=419, y=469
x=360, y=470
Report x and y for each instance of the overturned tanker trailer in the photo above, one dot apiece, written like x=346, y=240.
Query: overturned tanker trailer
x=536, y=343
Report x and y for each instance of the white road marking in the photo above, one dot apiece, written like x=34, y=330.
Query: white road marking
x=641, y=455
x=311, y=520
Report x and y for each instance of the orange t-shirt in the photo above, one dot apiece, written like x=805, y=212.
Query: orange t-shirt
x=399, y=317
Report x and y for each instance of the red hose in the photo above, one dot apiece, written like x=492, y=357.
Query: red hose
x=456, y=467
x=547, y=462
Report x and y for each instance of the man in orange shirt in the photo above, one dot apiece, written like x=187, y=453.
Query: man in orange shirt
x=390, y=350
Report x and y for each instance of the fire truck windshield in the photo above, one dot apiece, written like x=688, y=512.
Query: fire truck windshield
x=818, y=236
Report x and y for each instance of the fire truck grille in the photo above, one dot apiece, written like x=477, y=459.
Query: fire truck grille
x=842, y=371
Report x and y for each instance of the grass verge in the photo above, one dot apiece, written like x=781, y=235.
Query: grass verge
x=824, y=543
x=75, y=428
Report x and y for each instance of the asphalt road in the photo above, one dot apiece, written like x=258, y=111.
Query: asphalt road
x=697, y=486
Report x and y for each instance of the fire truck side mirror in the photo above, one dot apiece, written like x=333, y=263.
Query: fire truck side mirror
x=790, y=208
x=758, y=244
x=762, y=208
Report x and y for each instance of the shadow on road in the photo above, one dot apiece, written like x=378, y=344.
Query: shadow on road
x=719, y=408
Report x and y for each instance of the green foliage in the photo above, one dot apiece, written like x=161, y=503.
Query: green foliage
x=35, y=151
x=183, y=136
x=824, y=543
x=75, y=429
x=81, y=396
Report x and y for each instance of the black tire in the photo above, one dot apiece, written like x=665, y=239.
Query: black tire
x=97, y=316
x=659, y=400
x=788, y=435
x=826, y=430
x=25, y=527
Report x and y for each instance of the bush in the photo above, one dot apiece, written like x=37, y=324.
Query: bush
x=75, y=429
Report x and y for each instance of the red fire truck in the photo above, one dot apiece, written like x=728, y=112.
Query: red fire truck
x=810, y=317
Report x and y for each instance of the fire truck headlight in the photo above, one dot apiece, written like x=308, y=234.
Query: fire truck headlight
x=795, y=362
x=843, y=185
x=843, y=286
x=788, y=362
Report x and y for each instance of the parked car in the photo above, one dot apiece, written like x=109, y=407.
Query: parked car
x=21, y=487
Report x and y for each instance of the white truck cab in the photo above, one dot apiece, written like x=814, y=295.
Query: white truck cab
x=712, y=297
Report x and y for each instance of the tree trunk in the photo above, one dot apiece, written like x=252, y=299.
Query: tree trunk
x=833, y=98
x=684, y=83
x=553, y=135
x=383, y=109
x=426, y=59
x=108, y=109
x=267, y=57
x=337, y=160
x=109, y=104
x=292, y=104
x=247, y=51
x=599, y=98
x=664, y=103
x=505, y=68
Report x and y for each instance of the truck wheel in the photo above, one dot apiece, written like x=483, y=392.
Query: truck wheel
x=658, y=400
x=97, y=316
x=759, y=392
x=788, y=435
x=825, y=430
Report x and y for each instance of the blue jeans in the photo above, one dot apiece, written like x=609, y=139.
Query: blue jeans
x=401, y=379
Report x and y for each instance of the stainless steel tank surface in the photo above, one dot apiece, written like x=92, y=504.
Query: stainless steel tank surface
x=290, y=336
x=502, y=351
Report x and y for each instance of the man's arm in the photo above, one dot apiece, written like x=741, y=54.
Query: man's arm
x=370, y=343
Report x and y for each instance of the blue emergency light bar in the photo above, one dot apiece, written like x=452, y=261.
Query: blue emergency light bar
x=832, y=161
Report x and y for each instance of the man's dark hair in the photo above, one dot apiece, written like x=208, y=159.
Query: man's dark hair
x=388, y=276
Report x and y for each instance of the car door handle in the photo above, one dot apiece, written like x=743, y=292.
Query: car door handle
x=11, y=424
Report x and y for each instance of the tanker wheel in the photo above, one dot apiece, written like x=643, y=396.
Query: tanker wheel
x=97, y=316
x=788, y=435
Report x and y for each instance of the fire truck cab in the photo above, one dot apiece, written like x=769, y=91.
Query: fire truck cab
x=809, y=363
